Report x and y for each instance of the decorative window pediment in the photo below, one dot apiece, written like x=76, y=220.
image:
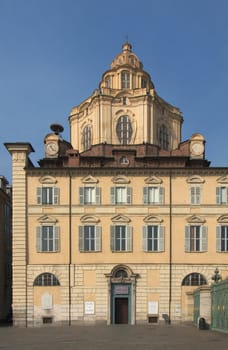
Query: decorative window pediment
x=153, y=219
x=48, y=180
x=153, y=180
x=194, y=219
x=120, y=219
x=223, y=219
x=89, y=219
x=223, y=179
x=45, y=219
x=120, y=179
x=90, y=180
x=195, y=179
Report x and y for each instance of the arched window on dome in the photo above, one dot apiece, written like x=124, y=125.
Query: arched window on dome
x=143, y=82
x=125, y=80
x=194, y=279
x=46, y=279
x=163, y=137
x=86, y=138
x=124, y=130
x=108, y=82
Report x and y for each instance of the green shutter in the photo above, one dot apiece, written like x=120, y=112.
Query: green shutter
x=129, y=191
x=112, y=238
x=39, y=195
x=81, y=238
x=203, y=238
x=144, y=238
x=198, y=193
x=81, y=195
x=192, y=197
x=56, y=195
x=145, y=195
x=97, y=238
x=98, y=195
x=218, y=238
x=112, y=195
x=39, y=239
x=161, y=195
x=128, y=238
x=187, y=238
x=218, y=195
x=161, y=247
x=56, y=247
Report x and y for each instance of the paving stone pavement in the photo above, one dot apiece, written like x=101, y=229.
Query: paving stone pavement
x=118, y=337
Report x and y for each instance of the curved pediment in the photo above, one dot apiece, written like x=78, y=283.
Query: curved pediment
x=47, y=179
x=89, y=219
x=223, y=219
x=194, y=219
x=195, y=179
x=153, y=219
x=153, y=180
x=120, y=179
x=46, y=219
x=90, y=180
x=223, y=179
x=121, y=218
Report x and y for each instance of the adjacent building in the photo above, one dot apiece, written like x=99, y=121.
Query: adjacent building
x=5, y=250
x=123, y=222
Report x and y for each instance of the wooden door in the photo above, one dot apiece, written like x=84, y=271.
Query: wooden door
x=121, y=310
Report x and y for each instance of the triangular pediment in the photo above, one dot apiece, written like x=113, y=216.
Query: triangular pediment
x=121, y=218
x=195, y=179
x=223, y=179
x=153, y=180
x=47, y=179
x=120, y=179
x=153, y=219
x=45, y=219
x=89, y=180
x=223, y=219
x=194, y=219
x=89, y=219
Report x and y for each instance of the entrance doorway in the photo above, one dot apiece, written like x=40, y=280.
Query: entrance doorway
x=121, y=310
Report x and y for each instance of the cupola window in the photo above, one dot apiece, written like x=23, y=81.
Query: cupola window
x=86, y=138
x=164, y=137
x=143, y=82
x=124, y=129
x=125, y=80
x=108, y=82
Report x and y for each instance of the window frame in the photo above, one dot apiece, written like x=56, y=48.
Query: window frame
x=83, y=195
x=125, y=79
x=220, y=195
x=44, y=278
x=222, y=242
x=124, y=129
x=94, y=242
x=157, y=237
x=86, y=137
x=147, y=195
x=120, y=237
x=195, y=238
x=47, y=195
x=195, y=195
x=114, y=195
x=43, y=242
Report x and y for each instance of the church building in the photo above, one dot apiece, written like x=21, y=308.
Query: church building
x=120, y=224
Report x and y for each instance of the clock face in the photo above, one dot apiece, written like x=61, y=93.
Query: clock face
x=197, y=148
x=52, y=148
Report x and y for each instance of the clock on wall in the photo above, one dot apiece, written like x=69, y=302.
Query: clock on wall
x=197, y=148
x=52, y=148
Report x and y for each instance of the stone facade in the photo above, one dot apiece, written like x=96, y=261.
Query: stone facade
x=123, y=223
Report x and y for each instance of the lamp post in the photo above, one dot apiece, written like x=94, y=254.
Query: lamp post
x=216, y=277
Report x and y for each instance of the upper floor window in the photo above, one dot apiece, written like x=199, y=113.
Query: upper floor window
x=153, y=238
x=121, y=195
x=194, y=279
x=195, y=238
x=222, y=238
x=121, y=238
x=86, y=138
x=125, y=80
x=195, y=195
x=47, y=195
x=163, y=137
x=89, y=238
x=153, y=195
x=47, y=239
x=124, y=129
x=89, y=195
x=46, y=279
x=222, y=195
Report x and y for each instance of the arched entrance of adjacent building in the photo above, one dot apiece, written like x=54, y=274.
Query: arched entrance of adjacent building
x=121, y=283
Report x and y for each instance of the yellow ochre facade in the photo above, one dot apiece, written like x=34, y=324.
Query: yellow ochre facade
x=122, y=223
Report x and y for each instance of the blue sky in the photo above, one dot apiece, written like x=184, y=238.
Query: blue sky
x=53, y=54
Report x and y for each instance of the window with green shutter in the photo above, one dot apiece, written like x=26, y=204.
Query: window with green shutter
x=89, y=238
x=153, y=238
x=121, y=238
x=195, y=238
x=47, y=239
x=47, y=195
